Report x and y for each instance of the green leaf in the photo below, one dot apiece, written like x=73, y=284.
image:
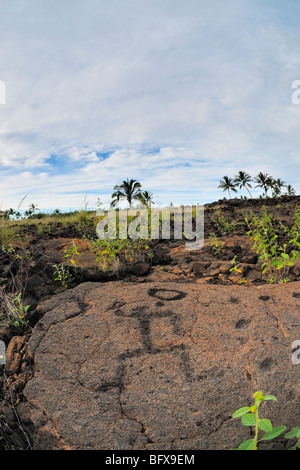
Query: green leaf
x=274, y=433
x=293, y=433
x=241, y=411
x=249, y=419
x=247, y=445
x=270, y=397
x=265, y=425
x=259, y=399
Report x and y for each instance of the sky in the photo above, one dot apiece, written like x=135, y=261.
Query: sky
x=175, y=94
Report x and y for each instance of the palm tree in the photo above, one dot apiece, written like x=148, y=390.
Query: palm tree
x=277, y=185
x=8, y=213
x=290, y=190
x=227, y=184
x=264, y=181
x=146, y=198
x=129, y=189
x=242, y=179
x=33, y=208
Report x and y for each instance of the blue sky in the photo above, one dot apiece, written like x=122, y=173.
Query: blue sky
x=174, y=94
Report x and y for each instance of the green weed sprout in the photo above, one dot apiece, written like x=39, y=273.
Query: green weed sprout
x=216, y=245
x=234, y=266
x=20, y=309
x=12, y=310
x=62, y=275
x=72, y=252
x=250, y=417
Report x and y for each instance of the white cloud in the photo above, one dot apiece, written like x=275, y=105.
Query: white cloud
x=196, y=81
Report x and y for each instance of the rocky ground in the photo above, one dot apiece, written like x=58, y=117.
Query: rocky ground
x=156, y=353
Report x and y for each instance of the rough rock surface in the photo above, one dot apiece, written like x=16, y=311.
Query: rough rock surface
x=160, y=364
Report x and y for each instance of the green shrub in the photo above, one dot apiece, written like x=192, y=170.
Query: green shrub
x=13, y=311
x=277, y=246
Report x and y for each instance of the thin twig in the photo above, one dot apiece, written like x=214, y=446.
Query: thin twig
x=16, y=415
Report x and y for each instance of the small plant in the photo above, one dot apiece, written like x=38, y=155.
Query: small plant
x=110, y=253
x=109, y=248
x=263, y=429
x=250, y=417
x=10, y=249
x=28, y=254
x=216, y=245
x=62, y=275
x=20, y=309
x=40, y=229
x=12, y=310
x=150, y=257
x=237, y=270
x=234, y=266
x=221, y=224
x=72, y=252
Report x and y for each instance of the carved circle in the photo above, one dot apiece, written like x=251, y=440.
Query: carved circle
x=166, y=294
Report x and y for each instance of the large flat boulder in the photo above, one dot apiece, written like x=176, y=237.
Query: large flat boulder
x=160, y=365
